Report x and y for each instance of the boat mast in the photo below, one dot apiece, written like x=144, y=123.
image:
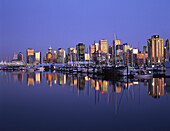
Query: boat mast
x=132, y=54
x=114, y=47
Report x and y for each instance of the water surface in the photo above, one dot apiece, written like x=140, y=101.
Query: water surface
x=50, y=101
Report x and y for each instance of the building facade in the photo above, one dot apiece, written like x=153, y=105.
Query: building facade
x=103, y=45
x=30, y=56
x=37, y=57
x=80, y=52
x=155, y=50
x=61, y=55
x=167, y=44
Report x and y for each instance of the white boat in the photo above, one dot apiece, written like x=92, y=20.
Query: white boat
x=90, y=70
x=30, y=69
x=142, y=74
x=131, y=71
x=40, y=68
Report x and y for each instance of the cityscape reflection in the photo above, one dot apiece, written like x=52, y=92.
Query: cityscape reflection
x=156, y=87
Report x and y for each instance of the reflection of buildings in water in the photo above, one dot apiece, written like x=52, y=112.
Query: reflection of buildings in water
x=87, y=78
x=81, y=82
x=18, y=76
x=135, y=83
x=167, y=85
x=97, y=87
x=104, y=86
x=118, y=87
x=75, y=81
x=55, y=78
x=70, y=81
x=92, y=82
x=61, y=79
x=38, y=78
x=145, y=83
x=30, y=78
x=49, y=79
x=126, y=85
x=156, y=87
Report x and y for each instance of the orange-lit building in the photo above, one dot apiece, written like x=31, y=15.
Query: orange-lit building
x=155, y=50
x=103, y=45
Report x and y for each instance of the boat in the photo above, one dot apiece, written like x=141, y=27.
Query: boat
x=40, y=68
x=30, y=69
x=90, y=70
x=84, y=70
x=123, y=71
x=143, y=74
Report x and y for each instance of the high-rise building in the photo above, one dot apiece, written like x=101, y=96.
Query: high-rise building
x=49, y=53
x=71, y=54
x=96, y=46
x=38, y=57
x=61, y=55
x=103, y=45
x=167, y=50
x=135, y=51
x=92, y=49
x=87, y=56
x=20, y=57
x=80, y=52
x=145, y=49
x=145, y=52
x=119, y=54
x=30, y=56
x=110, y=50
x=155, y=50
x=126, y=47
x=115, y=43
x=54, y=57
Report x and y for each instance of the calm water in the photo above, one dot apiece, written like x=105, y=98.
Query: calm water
x=55, y=101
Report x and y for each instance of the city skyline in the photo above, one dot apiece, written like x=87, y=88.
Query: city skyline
x=40, y=24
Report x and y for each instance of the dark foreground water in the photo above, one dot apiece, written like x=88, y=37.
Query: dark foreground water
x=55, y=101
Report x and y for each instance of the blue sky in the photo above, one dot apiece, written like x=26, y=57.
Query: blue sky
x=39, y=24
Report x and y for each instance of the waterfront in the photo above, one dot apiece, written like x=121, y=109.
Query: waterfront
x=57, y=101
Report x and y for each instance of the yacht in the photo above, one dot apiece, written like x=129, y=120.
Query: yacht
x=143, y=74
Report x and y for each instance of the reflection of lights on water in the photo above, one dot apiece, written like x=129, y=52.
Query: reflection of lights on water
x=149, y=92
x=159, y=93
x=136, y=83
x=55, y=81
x=87, y=78
x=153, y=83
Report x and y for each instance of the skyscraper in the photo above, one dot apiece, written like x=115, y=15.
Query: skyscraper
x=114, y=51
x=155, y=50
x=96, y=46
x=115, y=43
x=49, y=53
x=167, y=50
x=103, y=45
x=30, y=56
x=126, y=47
x=61, y=55
x=20, y=57
x=38, y=57
x=92, y=49
x=71, y=54
x=80, y=52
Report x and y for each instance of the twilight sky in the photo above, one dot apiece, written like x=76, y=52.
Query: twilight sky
x=39, y=24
